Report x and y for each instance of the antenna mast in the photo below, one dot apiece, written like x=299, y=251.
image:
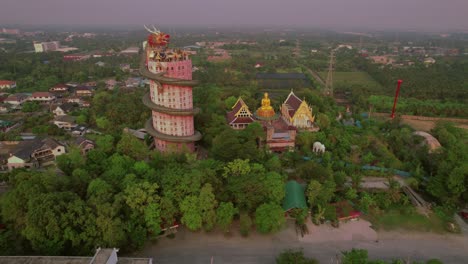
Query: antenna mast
x=329, y=81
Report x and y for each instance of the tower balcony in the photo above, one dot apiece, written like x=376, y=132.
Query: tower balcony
x=177, y=139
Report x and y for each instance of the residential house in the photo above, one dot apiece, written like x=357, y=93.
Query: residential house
x=5, y=84
x=83, y=91
x=85, y=145
x=385, y=60
x=133, y=82
x=16, y=99
x=65, y=122
x=22, y=155
x=85, y=103
x=100, y=64
x=429, y=61
x=90, y=84
x=110, y=84
x=125, y=67
x=72, y=84
x=4, y=108
x=56, y=147
x=34, y=153
x=240, y=116
x=59, y=88
x=44, y=97
x=73, y=99
x=64, y=109
x=79, y=131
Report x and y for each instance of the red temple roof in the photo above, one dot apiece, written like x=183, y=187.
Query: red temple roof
x=6, y=82
x=293, y=103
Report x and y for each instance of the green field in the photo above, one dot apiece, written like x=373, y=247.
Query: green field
x=347, y=79
x=395, y=219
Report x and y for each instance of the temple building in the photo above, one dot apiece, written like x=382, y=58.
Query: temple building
x=240, y=116
x=296, y=112
x=170, y=97
x=280, y=129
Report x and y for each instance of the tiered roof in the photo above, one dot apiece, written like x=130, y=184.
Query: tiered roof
x=235, y=117
x=292, y=102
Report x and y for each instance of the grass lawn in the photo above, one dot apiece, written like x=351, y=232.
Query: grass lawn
x=394, y=219
x=341, y=79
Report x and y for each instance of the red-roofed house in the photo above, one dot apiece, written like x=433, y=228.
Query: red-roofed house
x=296, y=112
x=16, y=99
x=240, y=116
x=61, y=88
x=42, y=97
x=5, y=84
x=83, y=91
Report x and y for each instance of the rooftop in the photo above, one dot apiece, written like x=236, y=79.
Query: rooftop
x=281, y=76
x=102, y=256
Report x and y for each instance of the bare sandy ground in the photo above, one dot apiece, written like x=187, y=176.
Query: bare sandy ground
x=349, y=231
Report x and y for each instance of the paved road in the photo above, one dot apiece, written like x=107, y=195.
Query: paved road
x=200, y=247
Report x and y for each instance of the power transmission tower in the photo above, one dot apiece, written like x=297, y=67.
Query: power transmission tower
x=360, y=44
x=329, y=82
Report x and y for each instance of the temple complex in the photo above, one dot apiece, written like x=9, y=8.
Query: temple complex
x=170, y=97
x=280, y=130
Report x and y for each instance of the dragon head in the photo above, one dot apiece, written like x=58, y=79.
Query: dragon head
x=157, y=38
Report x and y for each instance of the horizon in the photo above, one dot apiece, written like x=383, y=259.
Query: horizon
x=417, y=15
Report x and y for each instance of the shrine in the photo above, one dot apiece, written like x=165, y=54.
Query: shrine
x=280, y=129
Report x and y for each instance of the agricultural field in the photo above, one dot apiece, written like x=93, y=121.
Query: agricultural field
x=343, y=80
x=412, y=106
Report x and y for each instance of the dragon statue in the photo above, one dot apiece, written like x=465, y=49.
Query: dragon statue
x=157, y=38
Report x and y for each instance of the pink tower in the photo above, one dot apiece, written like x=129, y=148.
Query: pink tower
x=170, y=96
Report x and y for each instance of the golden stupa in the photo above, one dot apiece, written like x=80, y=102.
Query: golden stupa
x=265, y=110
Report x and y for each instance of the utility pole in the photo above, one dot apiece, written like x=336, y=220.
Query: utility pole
x=329, y=81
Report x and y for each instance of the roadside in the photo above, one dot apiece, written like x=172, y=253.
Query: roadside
x=323, y=243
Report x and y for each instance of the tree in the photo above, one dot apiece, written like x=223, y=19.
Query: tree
x=224, y=215
x=294, y=257
x=70, y=161
x=355, y=256
x=351, y=194
x=269, y=218
x=29, y=107
x=274, y=184
x=323, y=120
x=208, y=204
x=245, y=224
x=105, y=143
x=365, y=202
x=132, y=147
x=191, y=213
x=313, y=191
x=230, y=101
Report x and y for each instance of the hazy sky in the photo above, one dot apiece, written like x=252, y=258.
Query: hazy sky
x=377, y=14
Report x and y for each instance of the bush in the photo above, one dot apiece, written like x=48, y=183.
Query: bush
x=245, y=224
x=434, y=261
x=294, y=257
